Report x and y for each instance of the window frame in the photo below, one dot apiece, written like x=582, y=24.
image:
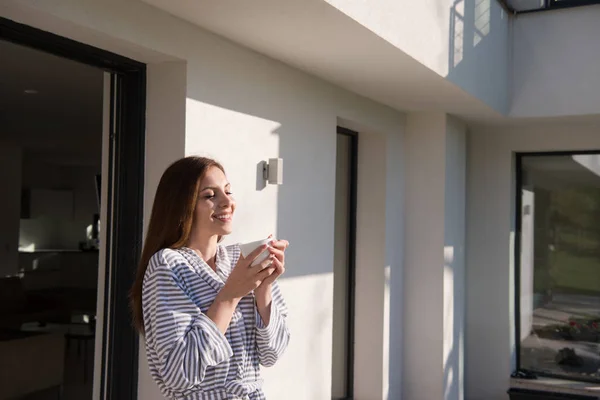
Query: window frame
x=518, y=205
x=550, y=5
x=554, y=4
x=351, y=288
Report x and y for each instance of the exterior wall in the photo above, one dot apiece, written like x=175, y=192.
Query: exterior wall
x=434, y=257
x=479, y=51
x=490, y=328
x=454, y=259
x=466, y=41
x=393, y=313
x=227, y=102
x=423, y=347
x=232, y=100
x=371, y=268
x=555, y=62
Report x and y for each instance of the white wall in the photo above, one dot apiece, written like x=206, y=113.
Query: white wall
x=490, y=334
x=479, y=51
x=394, y=285
x=10, y=208
x=423, y=291
x=242, y=108
x=232, y=99
x=555, y=63
x=454, y=258
x=434, y=261
x=466, y=41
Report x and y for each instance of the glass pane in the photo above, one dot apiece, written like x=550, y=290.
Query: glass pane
x=560, y=265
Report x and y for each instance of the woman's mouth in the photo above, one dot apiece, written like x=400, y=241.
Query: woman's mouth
x=223, y=217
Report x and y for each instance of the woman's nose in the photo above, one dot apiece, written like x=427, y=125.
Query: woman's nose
x=226, y=202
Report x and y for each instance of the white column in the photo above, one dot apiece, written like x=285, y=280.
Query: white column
x=527, y=261
x=434, y=257
x=165, y=143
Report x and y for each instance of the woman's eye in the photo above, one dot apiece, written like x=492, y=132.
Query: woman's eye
x=213, y=195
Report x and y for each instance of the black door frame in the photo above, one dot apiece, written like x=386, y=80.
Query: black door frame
x=351, y=288
x=120, y=341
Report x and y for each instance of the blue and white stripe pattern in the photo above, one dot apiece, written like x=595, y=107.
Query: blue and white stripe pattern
x=189, y=357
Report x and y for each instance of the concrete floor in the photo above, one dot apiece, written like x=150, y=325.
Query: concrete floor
x=539, y=354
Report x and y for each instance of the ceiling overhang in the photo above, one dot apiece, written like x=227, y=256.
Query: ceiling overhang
x=317, y=38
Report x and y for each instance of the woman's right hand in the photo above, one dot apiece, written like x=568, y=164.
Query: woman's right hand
x=244, y=277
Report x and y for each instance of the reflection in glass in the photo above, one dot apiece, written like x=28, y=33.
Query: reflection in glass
x=559, y=265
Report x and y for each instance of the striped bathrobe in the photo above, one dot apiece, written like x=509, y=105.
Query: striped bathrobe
x=189, y=358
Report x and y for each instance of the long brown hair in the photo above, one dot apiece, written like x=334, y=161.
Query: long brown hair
x=171, y=219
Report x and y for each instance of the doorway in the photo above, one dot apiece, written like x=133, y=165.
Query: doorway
x=344, y=270
x=71, y=152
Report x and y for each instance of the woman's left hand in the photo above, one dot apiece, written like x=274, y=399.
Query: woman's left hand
x=277, y=250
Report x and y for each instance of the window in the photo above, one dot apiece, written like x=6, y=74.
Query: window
x=558, y=265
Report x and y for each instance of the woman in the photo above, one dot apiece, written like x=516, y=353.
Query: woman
x=209, y=317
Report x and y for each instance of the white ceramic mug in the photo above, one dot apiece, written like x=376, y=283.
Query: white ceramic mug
x=249, y=247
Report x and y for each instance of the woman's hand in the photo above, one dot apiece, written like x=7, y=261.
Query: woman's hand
x=277, y=250
x=262, y=293
x=245, y=278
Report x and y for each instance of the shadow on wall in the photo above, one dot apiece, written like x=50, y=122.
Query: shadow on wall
x=453, y=321
x=250, y=109
x=478, y=54
x=257, y=99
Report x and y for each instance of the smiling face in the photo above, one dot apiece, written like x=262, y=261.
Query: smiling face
x=215, y=206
